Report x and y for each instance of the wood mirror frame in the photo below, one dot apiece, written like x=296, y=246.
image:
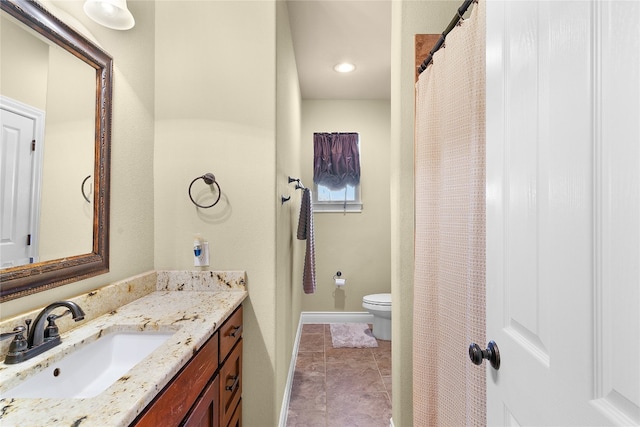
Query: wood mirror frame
x=23, y=280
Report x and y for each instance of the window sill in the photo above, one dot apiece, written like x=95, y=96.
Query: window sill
x=337, y=208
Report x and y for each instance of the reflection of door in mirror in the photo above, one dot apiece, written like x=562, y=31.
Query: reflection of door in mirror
x=44, y=76
x=20, y=165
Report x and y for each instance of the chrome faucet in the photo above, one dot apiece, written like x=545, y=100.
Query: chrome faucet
x=40, y=337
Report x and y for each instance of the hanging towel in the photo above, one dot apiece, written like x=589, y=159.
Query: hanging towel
x=305, y=231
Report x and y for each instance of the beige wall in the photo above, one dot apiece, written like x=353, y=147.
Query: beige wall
x=216, y=112
x=288, y=250
x=357, y=244
x=409, y=17
x=24, y=58
x=68, y=158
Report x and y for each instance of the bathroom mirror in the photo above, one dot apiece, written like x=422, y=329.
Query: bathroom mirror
x=93, y=256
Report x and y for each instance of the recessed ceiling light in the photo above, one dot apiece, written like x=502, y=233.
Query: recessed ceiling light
x=344, y=67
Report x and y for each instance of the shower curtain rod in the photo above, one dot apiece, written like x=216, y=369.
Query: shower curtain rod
x=461, y=11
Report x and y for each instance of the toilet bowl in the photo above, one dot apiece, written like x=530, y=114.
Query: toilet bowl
x=380, y=306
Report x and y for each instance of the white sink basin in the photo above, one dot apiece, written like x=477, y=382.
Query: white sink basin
x=91, y=369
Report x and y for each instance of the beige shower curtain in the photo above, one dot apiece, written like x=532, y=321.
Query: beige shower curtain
x=449, y=278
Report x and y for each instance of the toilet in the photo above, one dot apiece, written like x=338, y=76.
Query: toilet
x=380, y=306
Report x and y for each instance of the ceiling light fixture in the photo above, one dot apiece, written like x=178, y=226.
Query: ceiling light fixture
x=112, y=14
x=344, y=67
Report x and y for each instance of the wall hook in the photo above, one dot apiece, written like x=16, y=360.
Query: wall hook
x=208, y=179
x=299, y=185
x=284, y=199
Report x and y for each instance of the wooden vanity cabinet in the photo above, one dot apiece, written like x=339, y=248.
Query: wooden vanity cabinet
x=207, y=391
x=173, y=403
x=231, y=368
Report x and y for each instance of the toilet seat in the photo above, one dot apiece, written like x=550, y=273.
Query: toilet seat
x=380, y=302
x=377, y=299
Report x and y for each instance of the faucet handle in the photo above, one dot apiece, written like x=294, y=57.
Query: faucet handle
x=17, y=331
x=19, y=343
x=51, y=331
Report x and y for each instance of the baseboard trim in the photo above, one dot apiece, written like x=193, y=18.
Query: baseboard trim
x=307, y=317
x=311, y=317
x=284, y=409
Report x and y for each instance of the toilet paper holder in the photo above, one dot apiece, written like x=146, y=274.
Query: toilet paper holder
x=338, y=281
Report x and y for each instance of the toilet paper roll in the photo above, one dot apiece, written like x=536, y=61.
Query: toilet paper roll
x=340, y=282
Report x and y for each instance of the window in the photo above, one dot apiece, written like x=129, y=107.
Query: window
x=326, y=200
x=336, y=173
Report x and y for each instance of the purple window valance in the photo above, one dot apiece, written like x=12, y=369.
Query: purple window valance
x=336, y=159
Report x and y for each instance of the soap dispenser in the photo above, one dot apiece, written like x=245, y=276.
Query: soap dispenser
x=200, y=252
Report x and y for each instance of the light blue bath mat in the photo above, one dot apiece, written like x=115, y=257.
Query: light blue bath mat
x=352, y=335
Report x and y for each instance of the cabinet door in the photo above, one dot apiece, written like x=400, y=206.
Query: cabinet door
x=205, y=412
x=174, y=402
x=230, y=384
x=236, y=419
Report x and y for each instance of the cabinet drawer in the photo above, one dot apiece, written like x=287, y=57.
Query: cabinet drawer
x=173, y=403
x=230, y=333
x=230, y=384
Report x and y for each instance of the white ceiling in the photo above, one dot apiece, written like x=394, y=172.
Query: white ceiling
x=326, y=32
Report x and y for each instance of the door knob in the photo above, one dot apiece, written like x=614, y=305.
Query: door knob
x=477, y=355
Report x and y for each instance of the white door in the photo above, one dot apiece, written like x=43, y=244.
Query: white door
x=563, y=212
x=20, y=171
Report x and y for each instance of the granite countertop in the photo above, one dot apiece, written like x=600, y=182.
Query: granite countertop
x=194, y=315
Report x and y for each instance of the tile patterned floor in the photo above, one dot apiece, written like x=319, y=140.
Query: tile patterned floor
x=339, y=387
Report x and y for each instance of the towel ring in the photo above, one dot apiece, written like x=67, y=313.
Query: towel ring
x=209, y=179
x=82, y=189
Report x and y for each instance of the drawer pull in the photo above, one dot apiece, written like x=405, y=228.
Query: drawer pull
x=237, y=330
x=234, y=384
